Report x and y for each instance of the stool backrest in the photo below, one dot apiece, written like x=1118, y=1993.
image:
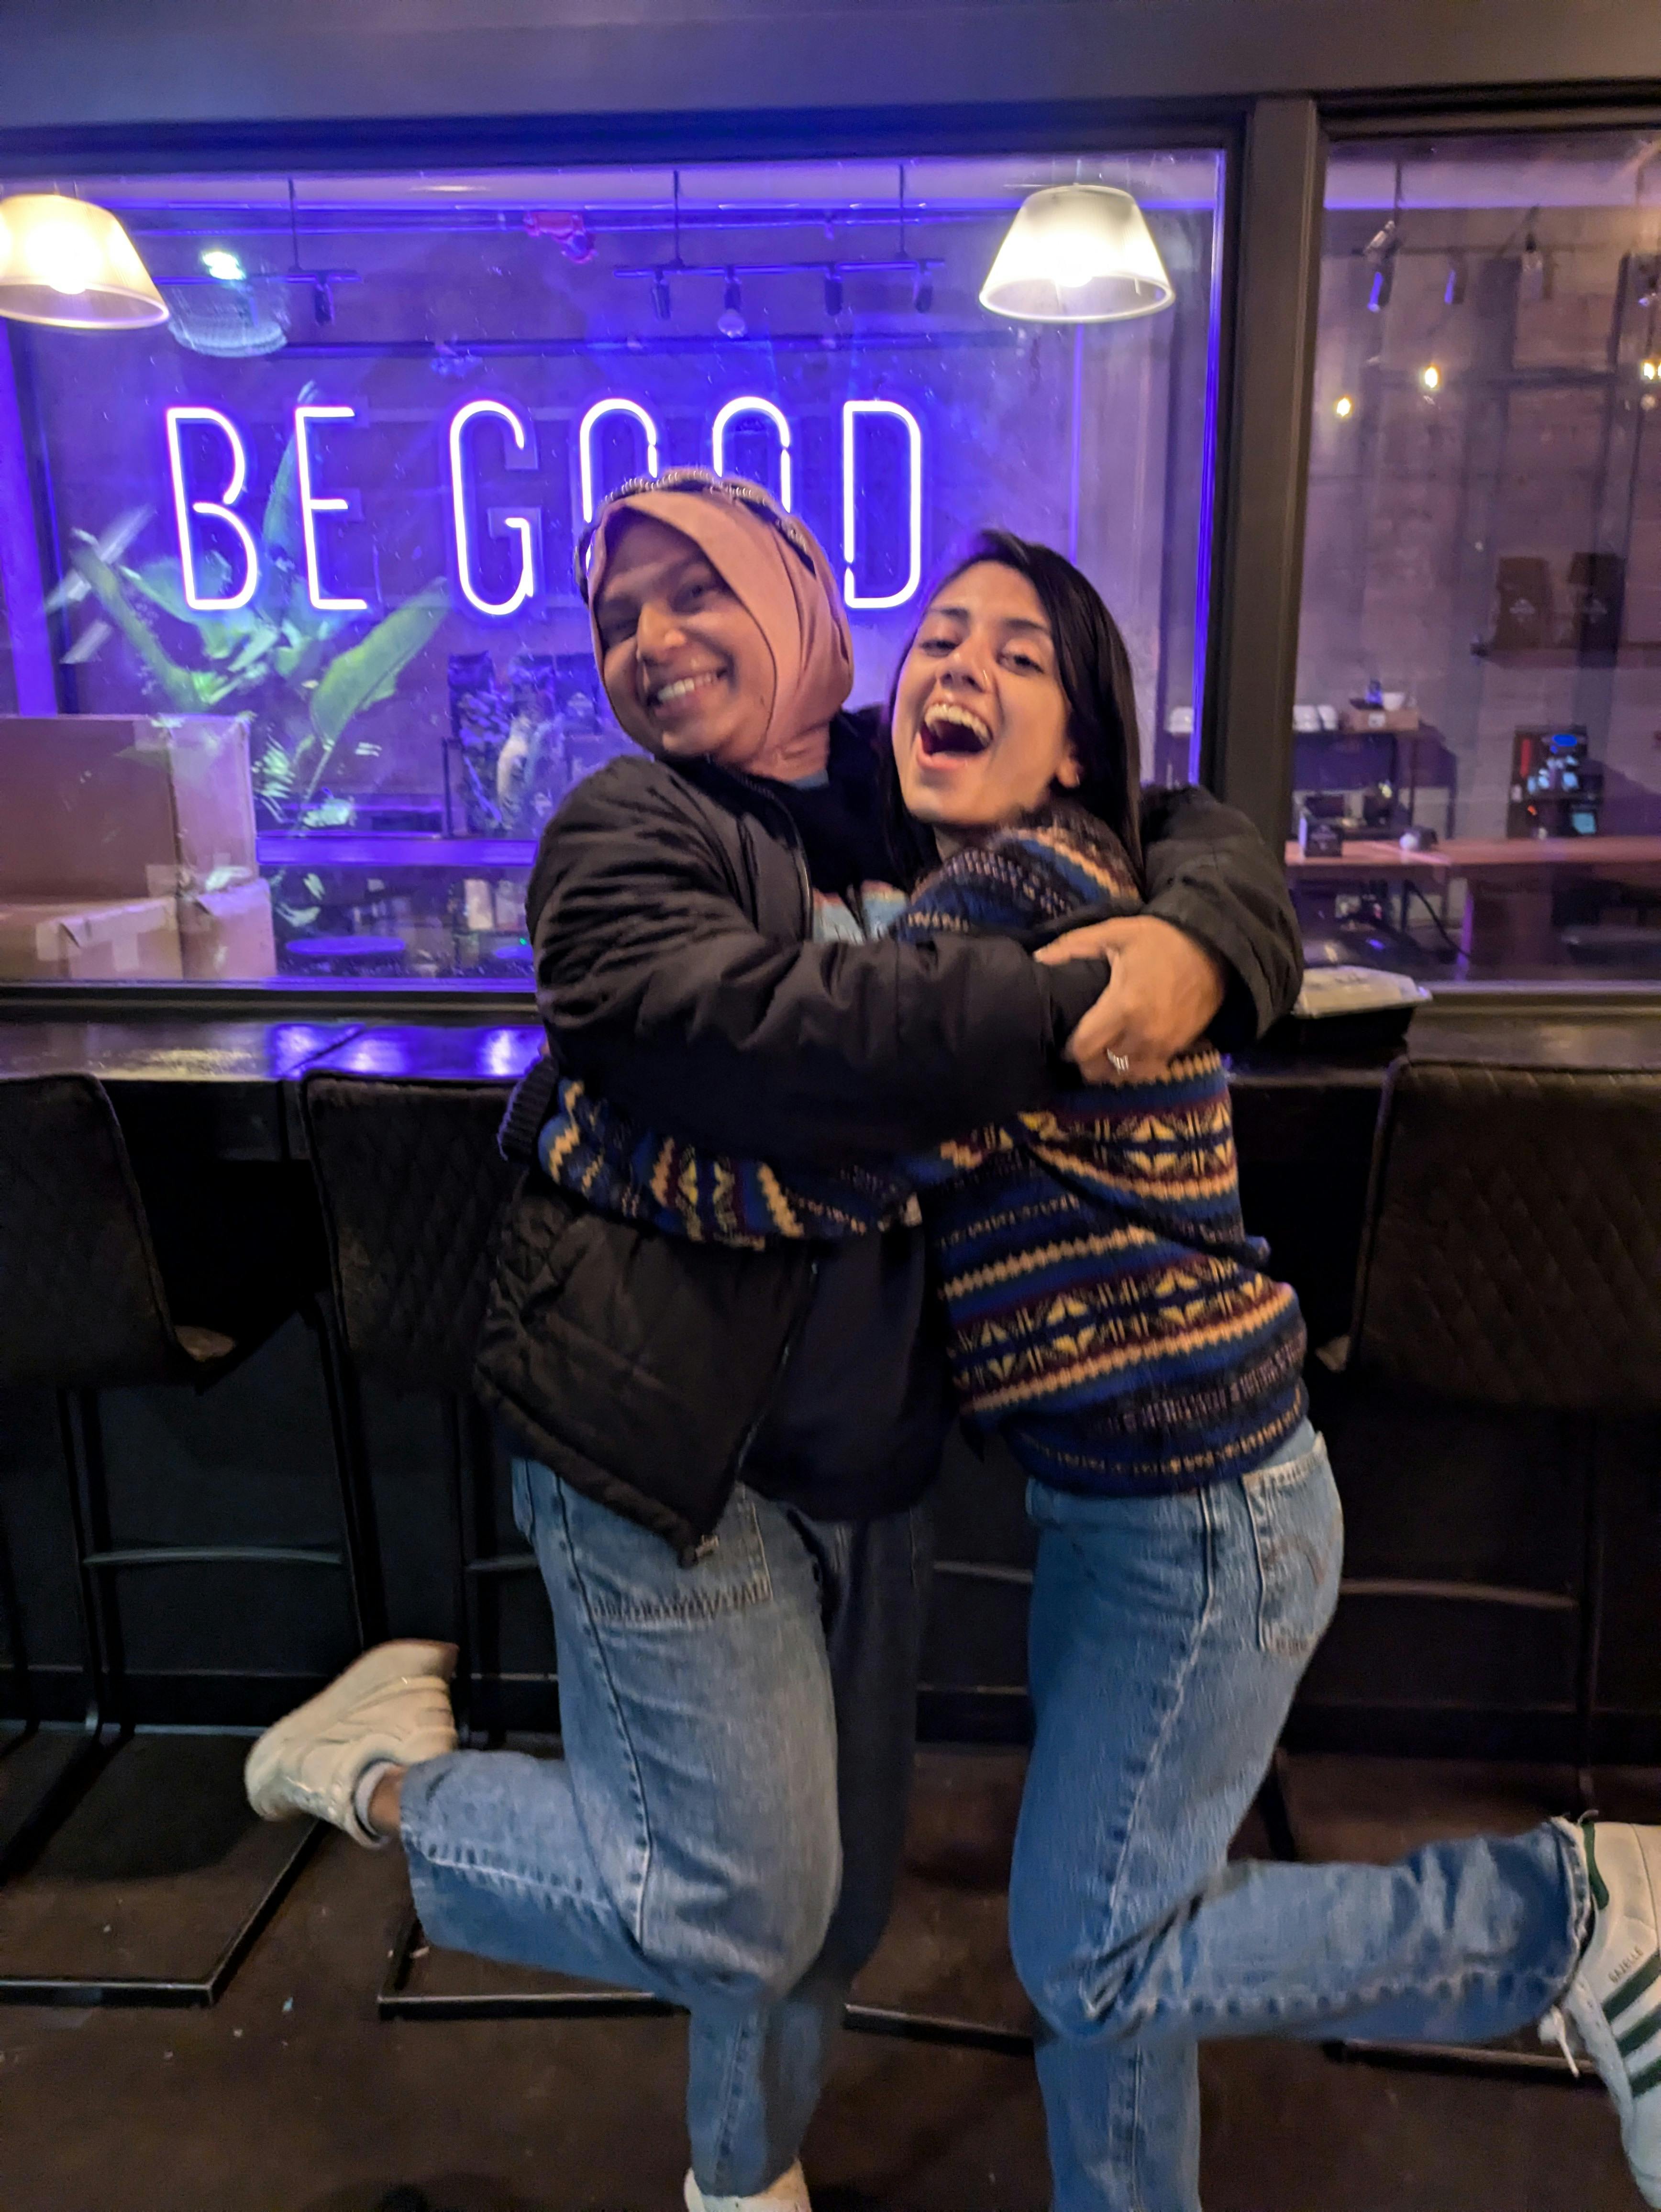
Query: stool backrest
x=412, y=1187
x=1512, y=1251
x=80, y=1290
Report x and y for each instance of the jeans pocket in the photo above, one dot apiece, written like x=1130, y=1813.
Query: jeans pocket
x=1297, y=1527
x=631, y=1577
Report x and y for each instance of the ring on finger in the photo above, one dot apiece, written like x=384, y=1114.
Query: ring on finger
x=1117, y=1061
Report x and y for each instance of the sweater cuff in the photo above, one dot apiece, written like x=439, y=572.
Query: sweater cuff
x=1073, y=986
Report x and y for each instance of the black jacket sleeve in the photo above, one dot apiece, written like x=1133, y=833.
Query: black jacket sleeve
x=1210, y=872
x=660, y=993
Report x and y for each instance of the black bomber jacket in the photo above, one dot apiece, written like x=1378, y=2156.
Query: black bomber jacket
x=672, y=917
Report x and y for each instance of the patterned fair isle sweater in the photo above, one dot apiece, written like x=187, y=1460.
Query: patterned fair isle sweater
x=1109, y=1316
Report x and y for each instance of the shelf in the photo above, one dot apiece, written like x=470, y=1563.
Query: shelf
x=327, y=849
x=1644, y=652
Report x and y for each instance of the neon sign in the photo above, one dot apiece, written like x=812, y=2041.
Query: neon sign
x=598, y=413
x=781, y=423
x=221, y=509
x=312, y=504
x=852, y=410
x=521, y=524
x=526, y=525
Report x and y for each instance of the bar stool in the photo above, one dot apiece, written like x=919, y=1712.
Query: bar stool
x=1512, y=1260
x=412, y=1185
x=87, y=1311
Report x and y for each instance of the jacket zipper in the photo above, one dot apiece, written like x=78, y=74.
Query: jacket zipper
x=757, y=790
x=769, y=1398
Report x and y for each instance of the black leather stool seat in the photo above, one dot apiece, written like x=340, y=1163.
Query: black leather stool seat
x=412, y=1186
x=1513, y=1253
x=85, y=1306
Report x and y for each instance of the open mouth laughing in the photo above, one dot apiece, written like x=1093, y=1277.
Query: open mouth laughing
x=950, y=729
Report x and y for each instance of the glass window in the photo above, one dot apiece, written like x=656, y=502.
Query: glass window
x=1477, y=746
x=337, y=493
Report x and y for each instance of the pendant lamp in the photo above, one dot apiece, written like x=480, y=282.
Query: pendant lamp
x=64, y=262
x=1077, y=253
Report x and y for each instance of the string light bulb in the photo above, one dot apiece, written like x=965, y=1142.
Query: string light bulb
x=1430, y=376
x=66, y=262
x=1343, y=407
x=730, y=322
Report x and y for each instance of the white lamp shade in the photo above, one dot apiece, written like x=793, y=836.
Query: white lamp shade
x=65, y=262
x=1077, y=253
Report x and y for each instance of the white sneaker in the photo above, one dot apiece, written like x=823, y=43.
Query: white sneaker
x=1614, y=2003
x=392, y=1705
x=787, y=2194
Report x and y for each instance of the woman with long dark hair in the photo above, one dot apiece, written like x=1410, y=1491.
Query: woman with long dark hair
x=1111, y=1322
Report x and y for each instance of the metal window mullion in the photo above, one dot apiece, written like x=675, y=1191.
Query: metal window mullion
x=1248, y=742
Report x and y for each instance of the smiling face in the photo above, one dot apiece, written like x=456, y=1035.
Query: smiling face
x=684, y=664
x=979, y=717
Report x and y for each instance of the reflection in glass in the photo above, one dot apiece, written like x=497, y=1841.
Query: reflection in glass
x=354, y=524
x=1477, y=777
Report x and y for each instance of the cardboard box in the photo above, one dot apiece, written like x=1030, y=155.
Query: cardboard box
x=110, y=807
x=1356, y=721
x=88, y=939
x=226, y=936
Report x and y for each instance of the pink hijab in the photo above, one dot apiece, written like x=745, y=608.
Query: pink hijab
x=777, y=571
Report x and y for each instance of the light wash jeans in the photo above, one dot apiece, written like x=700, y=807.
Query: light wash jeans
x=725, y=1827
x=1167, y=1637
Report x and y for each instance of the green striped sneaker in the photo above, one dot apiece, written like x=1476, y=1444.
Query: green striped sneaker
x=1614, y=2003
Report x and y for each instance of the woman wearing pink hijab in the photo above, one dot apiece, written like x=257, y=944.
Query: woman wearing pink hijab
x=728, y=1443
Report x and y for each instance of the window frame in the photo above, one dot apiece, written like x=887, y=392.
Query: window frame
x=1266, y=279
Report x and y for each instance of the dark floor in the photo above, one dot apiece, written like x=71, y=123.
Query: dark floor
x=289, y=2096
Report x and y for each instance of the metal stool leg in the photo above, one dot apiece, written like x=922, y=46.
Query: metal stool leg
x=46, y=1773
x=364, y=1578
x=1589, y=1648
x=464, y=1687
x=1273, y=1807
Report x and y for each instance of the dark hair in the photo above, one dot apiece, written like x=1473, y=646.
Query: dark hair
x=1094, y=669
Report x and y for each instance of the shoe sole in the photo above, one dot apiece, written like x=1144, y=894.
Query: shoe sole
x=376, y=1670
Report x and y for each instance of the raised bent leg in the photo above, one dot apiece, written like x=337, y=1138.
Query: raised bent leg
x=1168, y=1636
x=688, y=1844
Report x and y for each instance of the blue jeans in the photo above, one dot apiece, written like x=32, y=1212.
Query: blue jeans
x=725, y=1827
x=1167, y=1637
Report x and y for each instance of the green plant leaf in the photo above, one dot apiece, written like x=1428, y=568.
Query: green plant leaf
x=159, y=581
x=241, y=635
x=363, y=671
x=187, y=690
x=280, y=530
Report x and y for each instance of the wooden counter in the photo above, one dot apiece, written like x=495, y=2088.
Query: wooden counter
x=1509, y=882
